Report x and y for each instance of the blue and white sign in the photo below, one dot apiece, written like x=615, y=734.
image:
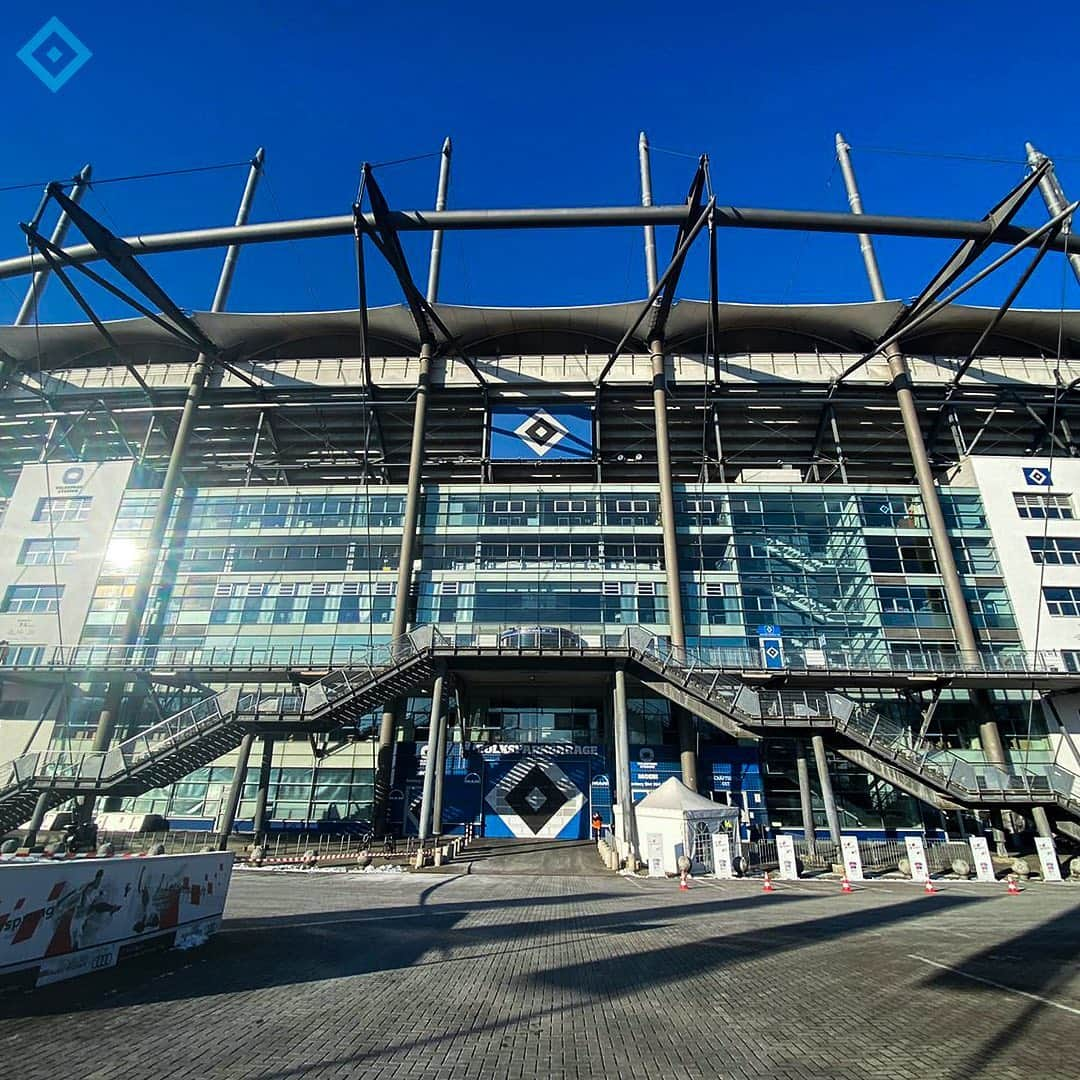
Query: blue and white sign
x=534, y=432
x=772, y=652
x=1037, y=476
x=769, y=630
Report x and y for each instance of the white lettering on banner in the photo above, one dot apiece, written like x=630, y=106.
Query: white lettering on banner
x=849, y=850
x=654, y=847
x=1048, y=860
x=916, y=853
x=980, y=852
x=785, y=852
x=57, y=968
x=721, y=855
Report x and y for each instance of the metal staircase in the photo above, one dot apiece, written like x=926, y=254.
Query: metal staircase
x=156, y=757
x=888, y=741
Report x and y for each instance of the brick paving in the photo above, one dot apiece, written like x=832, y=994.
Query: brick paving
x=473, y=973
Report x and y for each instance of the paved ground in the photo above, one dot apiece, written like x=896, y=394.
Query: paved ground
x=475, y=973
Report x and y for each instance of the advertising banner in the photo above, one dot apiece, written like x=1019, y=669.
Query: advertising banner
x=849, y=852
x=785, y=852
x=916, y=853
x=1048, y=860
x=654, y=847
x=980, y=854
x=70, y=917
x=721, y=855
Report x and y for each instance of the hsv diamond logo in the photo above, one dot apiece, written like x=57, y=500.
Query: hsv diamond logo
x=54, y=54
x=555, y=432
x=536, y=799
x=541, y=432
x=1037, y=477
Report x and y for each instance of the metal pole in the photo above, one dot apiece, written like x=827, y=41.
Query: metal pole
x=826, y=788
x=236, y=789
x=1054, y=197
x=425, y=829
x=262, y=793
x=155, y=541
x=440, y=774
x=687, y=746
x=806, y=798
x=388, y=725
x=559, y=217
x=37, y=285
x=924, y=476
x=645, y=166
x=41, y=808
x=623, y=794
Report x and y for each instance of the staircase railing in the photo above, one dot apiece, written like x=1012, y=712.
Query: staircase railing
x=881, y=734
x=96, y=768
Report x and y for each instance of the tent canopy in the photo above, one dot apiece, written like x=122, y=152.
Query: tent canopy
x=673, y=796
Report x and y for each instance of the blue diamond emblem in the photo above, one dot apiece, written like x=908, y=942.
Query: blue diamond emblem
x=54, y=54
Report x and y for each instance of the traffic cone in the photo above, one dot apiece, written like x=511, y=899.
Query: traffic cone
x=767, y=885
x=845, y=885
x=929, y=889
x=1014, y=886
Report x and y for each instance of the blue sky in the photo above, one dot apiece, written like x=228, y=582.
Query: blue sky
x=544, y=104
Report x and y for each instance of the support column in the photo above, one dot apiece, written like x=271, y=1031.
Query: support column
x=431, y=764
x=41, y=808
x=623, y=795
x=400, y=620
x=1042, y=821
x=236, y=789
x=806, y=797
x=155, y=542
x=924, y=476
x=1053, y=196
x=262, y=792
x=687, y=748
x=440, y=774
x=826, y=788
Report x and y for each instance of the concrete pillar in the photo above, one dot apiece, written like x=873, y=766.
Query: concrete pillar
x=236, y=789
x=623, y=795
x=1042, y=821
x=826, y=788
x=440, y=775
x=262, y=793
x=806, y=798
x=993, y=747
x=41, y=808
x=431, y=764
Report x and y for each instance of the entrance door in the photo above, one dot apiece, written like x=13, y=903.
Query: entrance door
x=538, y=797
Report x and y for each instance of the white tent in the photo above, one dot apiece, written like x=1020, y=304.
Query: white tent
x=684, y=821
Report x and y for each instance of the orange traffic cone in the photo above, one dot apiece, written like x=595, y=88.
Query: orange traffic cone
x=1014, y=886
x=767, y=885
x=929, y=889
x=845, y=885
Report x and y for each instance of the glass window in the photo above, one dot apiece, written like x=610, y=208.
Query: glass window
x=1055, y=550
x=1042, y=505
x=72, y=508
x=53, y=551
x=1064, y=602
x=32, y=599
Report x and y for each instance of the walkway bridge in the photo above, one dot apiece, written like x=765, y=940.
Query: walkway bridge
x=345, y=698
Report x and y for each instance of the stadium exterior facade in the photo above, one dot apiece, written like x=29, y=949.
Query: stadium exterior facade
x=535, y=490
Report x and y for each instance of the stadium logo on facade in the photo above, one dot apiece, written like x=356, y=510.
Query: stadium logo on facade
x=1037, y=477
x=555, y=432
x=54, y=54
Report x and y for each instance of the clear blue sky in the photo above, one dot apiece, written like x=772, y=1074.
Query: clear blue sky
x=544, y=103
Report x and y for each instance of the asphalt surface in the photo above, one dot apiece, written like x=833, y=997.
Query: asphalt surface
x=515, y=964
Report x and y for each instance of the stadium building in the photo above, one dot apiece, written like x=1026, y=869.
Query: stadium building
x=428, y=565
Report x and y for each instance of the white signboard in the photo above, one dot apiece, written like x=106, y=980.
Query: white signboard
x=980, y=853
x=1048, y=860
x=654, y=847
x=849, y=852
x=721, y=855
x=66, y=918
x=916, y=853
x=785, y=852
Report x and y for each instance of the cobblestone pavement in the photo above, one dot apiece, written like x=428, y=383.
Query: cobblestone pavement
x=489, y=975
